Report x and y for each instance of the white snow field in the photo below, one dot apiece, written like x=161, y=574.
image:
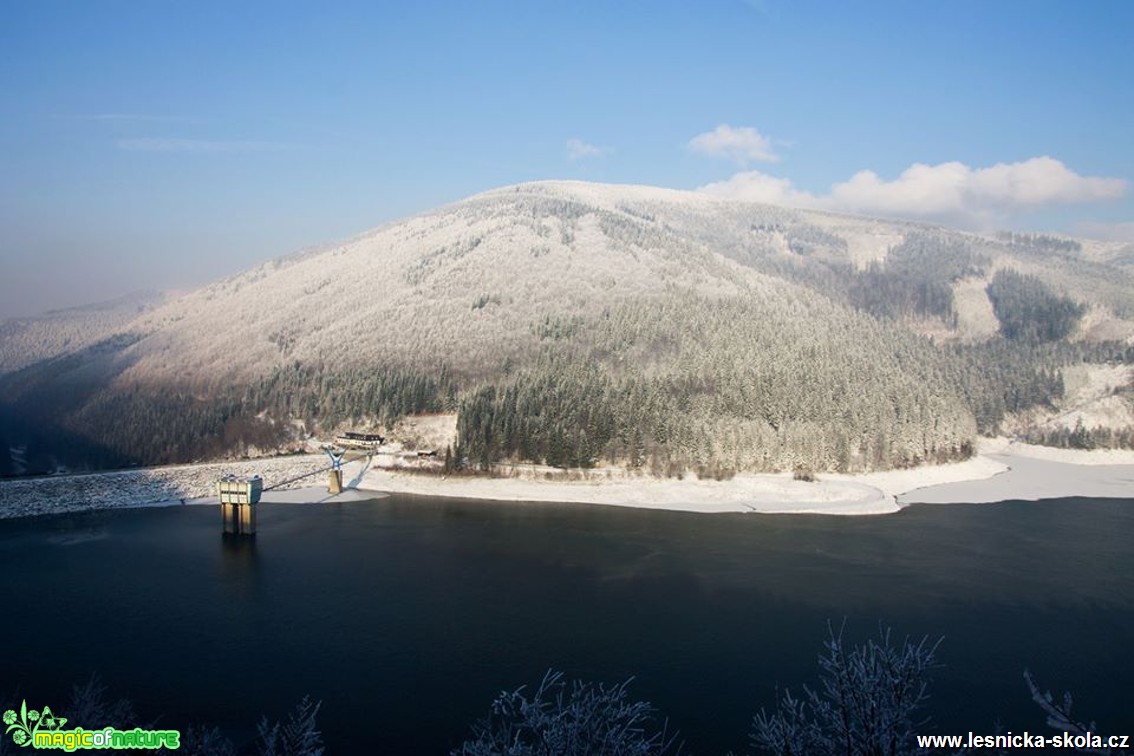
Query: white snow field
x=1002, y=471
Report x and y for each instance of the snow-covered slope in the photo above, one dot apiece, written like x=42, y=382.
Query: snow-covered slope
x=450, y=284
x=740, y=316
x=24, y=341
x=453, y=283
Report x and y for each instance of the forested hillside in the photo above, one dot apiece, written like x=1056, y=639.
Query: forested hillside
x=582, y=324
x=25, y=341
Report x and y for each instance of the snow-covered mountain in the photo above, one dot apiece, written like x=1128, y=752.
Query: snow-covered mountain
x=718, y=303
x=471, y=277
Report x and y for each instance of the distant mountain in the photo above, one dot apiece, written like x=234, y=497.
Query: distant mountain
x=577, y=323
x=25, y=341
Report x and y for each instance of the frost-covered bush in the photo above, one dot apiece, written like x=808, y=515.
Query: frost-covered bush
x=298, y=736
x=1059, y=718
x=561, y=719
x=868, y=702
x=205, y=740
x=91, y=705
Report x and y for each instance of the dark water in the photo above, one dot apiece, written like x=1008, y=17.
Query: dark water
x=407, y=615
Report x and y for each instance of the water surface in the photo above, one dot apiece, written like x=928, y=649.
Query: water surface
x=409, y=613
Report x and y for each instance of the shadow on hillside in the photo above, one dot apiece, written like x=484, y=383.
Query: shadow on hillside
x=41, y=403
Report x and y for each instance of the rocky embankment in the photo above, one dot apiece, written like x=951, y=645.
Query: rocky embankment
x=23, y=497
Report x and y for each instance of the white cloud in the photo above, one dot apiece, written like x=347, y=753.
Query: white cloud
x=166, y=144
x=754, y=186
x=577, y=149
x=951, y=192
x=741, y=145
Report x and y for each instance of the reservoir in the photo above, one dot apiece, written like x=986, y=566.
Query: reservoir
x=407, y=615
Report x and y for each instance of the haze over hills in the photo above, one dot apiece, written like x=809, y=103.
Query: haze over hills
x=575, y=323
x=24, y=341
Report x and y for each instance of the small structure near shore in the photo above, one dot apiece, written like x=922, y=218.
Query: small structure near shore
x=362, y=441
x=238, y=499
x=335, y=477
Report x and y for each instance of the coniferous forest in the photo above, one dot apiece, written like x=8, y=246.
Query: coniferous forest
x=585, y=325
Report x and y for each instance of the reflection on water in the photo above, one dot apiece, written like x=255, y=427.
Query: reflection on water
x=413, y=613
x=238, y=552
x=238, y=566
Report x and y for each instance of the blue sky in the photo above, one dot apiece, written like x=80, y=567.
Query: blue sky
x=161, y=144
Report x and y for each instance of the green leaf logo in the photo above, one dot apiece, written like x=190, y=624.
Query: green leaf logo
x=26, y=724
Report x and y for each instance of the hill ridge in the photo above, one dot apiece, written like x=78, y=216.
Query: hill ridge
x=773, y=337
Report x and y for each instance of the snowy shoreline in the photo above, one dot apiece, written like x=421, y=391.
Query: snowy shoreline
x=1002, y=470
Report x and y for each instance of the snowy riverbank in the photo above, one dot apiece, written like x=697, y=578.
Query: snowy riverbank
x=874, y=493
x=1001, y=471
x=1037, y=472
